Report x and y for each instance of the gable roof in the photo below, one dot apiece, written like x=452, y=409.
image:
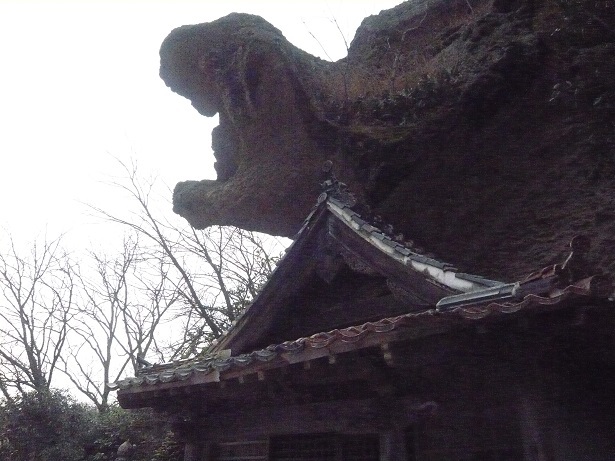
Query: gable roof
x=421, y=280
x=441, y=298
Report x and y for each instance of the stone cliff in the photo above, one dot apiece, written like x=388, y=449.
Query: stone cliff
x=483, y=130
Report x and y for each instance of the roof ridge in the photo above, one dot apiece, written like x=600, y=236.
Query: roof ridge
x=439, y=271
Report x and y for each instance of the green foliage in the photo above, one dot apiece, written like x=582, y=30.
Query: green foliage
x=405, y=107
x=52, y=426
x=44, y=426
x=169, y=449
x=148, y=432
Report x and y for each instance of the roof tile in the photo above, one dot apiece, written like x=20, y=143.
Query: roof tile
x=595, y=286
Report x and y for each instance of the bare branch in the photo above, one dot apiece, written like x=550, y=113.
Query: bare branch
x=36, y=304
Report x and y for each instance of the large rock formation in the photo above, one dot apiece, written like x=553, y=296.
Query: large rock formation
x=483, y=129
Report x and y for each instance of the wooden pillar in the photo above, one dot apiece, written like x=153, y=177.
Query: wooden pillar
x=393, y=445
x=193, y=451
x=531, y=429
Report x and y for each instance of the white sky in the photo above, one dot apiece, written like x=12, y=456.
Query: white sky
x=79, y=85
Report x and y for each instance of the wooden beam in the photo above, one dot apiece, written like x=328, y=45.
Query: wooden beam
x=393, y=445
x=347, y=416
x=192, y=451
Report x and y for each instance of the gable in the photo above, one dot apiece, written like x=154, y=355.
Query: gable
x=343, y=270
x=346, y=287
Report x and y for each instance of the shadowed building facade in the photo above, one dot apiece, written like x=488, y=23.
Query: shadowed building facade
x=361, y=348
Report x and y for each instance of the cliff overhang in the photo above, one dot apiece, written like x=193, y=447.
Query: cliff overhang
x=480, y=129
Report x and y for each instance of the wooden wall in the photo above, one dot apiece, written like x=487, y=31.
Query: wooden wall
x=538, y=389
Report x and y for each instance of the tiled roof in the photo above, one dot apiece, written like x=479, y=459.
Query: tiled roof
x=441, y=272
x=472, y=298
x=331, y=202
x=416, y=324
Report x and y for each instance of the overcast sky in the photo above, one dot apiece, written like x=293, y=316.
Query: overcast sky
x=79, y=85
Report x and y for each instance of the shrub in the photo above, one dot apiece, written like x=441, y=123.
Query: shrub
x=53, y=426
x=44, y=427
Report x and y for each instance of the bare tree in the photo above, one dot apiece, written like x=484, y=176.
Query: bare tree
x=238, y=262
x=95, y=320
x=227, y=266
x=216, y=272
x=122, y=303
x=36, y=306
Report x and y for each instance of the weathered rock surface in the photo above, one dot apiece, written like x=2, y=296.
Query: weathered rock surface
x=484, y=130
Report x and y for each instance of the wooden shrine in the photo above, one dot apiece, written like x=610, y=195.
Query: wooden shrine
x=362, y=348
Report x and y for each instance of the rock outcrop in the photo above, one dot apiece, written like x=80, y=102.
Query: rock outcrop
x=484, y=130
